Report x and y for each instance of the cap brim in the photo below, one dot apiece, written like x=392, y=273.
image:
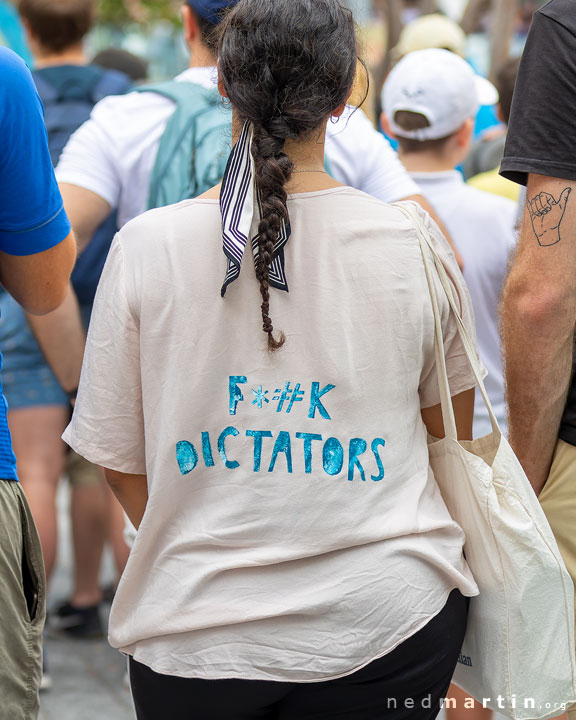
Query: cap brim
x=487, y=93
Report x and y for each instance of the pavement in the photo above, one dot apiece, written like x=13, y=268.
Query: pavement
x=88, y=676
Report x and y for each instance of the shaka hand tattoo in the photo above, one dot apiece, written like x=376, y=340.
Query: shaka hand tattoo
x=546, y=214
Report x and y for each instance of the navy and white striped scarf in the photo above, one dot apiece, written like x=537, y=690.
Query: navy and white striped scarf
x=239, y=200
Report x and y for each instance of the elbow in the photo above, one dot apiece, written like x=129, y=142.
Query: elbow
x=43, y=304
x=39, y=282
x=38, y=300
x=50, y=295
x=53, y=289
x=115, y=480
x=543, y=311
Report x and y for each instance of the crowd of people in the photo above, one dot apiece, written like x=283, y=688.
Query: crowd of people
x=265, y=572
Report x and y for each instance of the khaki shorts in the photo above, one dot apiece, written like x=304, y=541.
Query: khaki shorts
x=22, y=606
x=558, y=499
x=81, y=472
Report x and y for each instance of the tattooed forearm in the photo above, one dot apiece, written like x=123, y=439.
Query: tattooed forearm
x=546, y=214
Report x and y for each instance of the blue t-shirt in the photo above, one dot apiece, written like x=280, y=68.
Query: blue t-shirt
x=32, y=217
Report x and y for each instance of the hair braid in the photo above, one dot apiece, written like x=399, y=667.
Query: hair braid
x=272, y=169
x=285, y=66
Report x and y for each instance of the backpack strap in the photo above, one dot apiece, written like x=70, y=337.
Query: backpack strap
x=182, y=155
x=188, y=95
x=96, y=84
x=46, y=90
x=111, y=82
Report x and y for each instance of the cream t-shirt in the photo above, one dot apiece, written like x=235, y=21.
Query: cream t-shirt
x=294, y=530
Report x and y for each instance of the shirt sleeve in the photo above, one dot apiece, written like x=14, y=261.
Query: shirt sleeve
x=107, y=426
x=361, y=157
x=460, y=374
x=32, y=217
x=90, y=157
x=541, y=133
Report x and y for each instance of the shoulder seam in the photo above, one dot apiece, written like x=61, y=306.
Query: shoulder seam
x=543, y=13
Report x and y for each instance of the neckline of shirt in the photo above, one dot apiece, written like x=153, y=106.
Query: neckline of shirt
x=206, y=76
x=291, y=196
x=438, y=176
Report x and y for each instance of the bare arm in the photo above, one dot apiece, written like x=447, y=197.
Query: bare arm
x=131, y=492
x=421, y=200
x=61, y=337
x=538, y=316
x=39, y=282
x=463, y=405
x=86, y=211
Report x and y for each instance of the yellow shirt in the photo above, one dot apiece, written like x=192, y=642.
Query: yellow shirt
x=493, y=182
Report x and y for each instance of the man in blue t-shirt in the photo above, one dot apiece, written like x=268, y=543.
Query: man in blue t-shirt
x=37, y=254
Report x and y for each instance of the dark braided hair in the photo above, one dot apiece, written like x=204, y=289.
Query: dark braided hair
x=286, y=65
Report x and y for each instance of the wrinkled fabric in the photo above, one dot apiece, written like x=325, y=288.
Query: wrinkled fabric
x=294, y=530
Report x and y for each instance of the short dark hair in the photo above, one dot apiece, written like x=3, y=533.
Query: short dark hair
x=209, y=33
x=114, y=58
x=505, y=82
x=58, y=24
x=408, y=120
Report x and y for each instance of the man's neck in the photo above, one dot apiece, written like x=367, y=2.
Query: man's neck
x=71, y=56
x=200, y=56
x=426, y=162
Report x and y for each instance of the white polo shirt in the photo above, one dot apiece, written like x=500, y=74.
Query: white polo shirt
x=482, y=226
x=113, y=153
x=294, y=529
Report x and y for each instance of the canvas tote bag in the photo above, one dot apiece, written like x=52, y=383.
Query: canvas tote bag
x=518, y=652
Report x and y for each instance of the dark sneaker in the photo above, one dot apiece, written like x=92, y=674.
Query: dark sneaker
x=108, y=592
x=79, y=622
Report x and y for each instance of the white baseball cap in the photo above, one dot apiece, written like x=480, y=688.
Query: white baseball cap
x=439, y=85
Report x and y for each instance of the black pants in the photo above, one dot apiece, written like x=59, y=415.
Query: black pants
x=407, y=683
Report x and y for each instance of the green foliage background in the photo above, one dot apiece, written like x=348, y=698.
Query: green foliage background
x=115, y=11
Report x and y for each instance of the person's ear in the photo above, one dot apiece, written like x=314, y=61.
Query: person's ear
x=385, y=125
x=465, y=133
x=190, y=24
x=221, y=89
x=338, y=111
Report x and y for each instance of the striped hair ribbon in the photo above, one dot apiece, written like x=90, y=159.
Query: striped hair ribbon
x=238, y=202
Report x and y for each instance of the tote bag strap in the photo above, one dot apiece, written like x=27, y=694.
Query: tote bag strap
x=469, y=347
